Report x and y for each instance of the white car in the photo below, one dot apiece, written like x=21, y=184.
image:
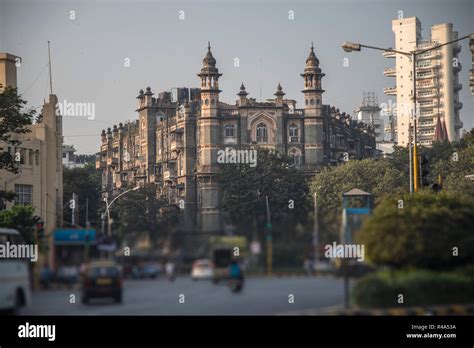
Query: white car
x=202, y=269
x=14, y=275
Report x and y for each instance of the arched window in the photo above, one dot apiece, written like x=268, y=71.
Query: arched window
x=296, y=156
x=229, y=133
x=262, y=133
x=293, y=131
x=160, y=116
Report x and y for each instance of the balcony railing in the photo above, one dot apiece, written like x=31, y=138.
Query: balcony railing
x=422, y=95
x=433, y=104
x=426, y=75
x=390, y=72
x=389, y=54
x=390, y=90
x=426, y=85
x=430, y=55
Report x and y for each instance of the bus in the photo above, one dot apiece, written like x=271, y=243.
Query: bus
x=15, y=290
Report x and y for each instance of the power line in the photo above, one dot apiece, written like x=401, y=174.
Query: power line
x=37, y=77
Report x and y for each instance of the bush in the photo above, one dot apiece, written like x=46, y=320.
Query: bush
x=419, y=288
x=423, y=233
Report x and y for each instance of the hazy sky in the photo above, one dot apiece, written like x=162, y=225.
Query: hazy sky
x=88, y=53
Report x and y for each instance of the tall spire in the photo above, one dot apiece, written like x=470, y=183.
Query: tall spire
x=209, y=62
x=279, y=92
x=242, y=92
x=312, y=61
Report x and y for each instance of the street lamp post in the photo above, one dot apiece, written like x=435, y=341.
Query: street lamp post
x=316, y=233
x=351, y=46
x=269, y=243
x=107, y=210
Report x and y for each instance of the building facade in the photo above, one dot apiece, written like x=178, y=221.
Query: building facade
x=40, y=180
x=437, y=76
x=369, y=113
x=72, y=160
x=471, y=72
x=175, y=143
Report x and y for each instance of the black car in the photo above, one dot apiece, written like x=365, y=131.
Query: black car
x=102, y=279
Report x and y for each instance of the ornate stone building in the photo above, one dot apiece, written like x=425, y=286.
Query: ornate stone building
x=174, y=143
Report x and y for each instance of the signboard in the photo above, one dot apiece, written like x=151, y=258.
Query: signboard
x=73, y=236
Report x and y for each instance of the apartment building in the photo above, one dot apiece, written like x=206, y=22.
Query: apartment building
x=437, y=78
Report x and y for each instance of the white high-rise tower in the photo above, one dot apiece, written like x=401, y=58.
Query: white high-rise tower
x=437, y=80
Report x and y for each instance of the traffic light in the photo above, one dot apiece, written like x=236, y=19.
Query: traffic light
x=425, y=170
x=40, y=228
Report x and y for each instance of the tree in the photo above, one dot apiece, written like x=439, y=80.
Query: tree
x=244, y=189
x=86, y=182
x=20, y=218
x=451, y=161
x=14, y=120
x=455, y=163
x=379, y=177
x=431, y=231
x=141, y=213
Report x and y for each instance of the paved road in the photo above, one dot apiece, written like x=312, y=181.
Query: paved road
x=260, y=296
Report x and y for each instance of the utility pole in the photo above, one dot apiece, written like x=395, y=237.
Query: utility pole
x=109, y=221
x=87, y=213
x=409, y=158
x=415, y=138
x=74, y=210
x=269, y=240
x=316, y=234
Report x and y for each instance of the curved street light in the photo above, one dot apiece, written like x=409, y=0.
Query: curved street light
x=107, y=210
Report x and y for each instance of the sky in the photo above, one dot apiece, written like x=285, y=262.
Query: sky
x=90, y=48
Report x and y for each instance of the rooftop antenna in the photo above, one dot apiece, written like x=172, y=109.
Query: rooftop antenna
x=260, y=76
x=50, y=73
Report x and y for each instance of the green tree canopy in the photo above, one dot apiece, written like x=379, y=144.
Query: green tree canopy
x=14, y=120
x=86, y=182
x=379, y=177
x=244, y=189
x=20, y=218
x=421, y=234
x=140, y=213
x=454, y=164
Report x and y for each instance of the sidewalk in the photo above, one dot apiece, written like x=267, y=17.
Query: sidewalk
x=455, y=309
